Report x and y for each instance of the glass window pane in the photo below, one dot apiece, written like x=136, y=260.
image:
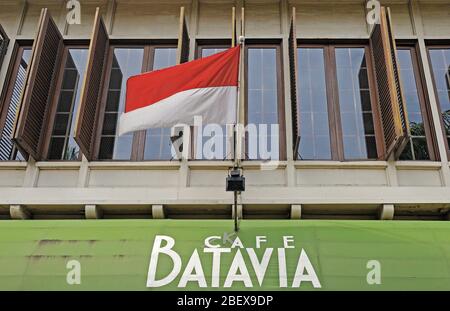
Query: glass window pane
x=211, y=51
x=440, y=61
x=354, y=101
x=157, y=141
x=262, y=103
x=69, y=99
x=313, y=106
x=7, y=149
x=126, y=62
x=205, y=145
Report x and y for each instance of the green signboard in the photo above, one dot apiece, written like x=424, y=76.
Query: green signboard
x=206, y=255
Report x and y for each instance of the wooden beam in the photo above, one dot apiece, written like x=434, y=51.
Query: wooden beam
x=296, y=212
x=92, y=212
x=386, y=212
x=158, y=212
x=19, y=212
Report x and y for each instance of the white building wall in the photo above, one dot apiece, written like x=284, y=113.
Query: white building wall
x=328, y=187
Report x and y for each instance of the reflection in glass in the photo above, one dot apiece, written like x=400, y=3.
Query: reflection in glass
x=157, y=141
x=127, y=62
x=62, y=143
x=355, y=105
x=417, y=148
x=8, y=151
x=440, y=60
x=312, y=101
x=262, y=103
x=202, y=139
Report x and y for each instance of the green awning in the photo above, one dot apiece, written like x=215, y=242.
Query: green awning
x=269, y=255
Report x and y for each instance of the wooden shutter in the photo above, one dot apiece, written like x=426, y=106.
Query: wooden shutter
x=392, y=106
x=33, y=113
x=87, y=116
x=4, y=41
x=293, y=71
x=183, y=40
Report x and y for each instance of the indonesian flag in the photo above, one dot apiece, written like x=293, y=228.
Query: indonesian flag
x=164, y=98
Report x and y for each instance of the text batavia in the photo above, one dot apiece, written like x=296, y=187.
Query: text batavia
x=246, y=268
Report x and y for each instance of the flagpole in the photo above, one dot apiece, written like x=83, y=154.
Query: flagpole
x=237, y=127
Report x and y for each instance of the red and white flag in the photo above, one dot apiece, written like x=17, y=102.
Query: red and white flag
x=163, y=98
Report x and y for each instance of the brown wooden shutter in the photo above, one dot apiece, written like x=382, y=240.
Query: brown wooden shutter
x=183, y=40
x=87, y=115
x=393, y=111
x=293, y=70
x=33, y=113
x=4, y=41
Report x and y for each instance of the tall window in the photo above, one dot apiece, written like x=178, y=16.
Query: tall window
x=157, y=141
x=420, y=145
x=315, y=140
x=62, y=144
x=8, y=151
x=440, y=61
x=204, y=150
x=153, y=144
x=337, y=118
x=126, y=62
x=264, y=112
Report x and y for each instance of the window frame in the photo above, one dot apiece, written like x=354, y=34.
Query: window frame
x=8, y=87
x=277, y=45
x=423, y=98
x=139, y=138
x=334, y=113
x=56, y=97
x=438, y=46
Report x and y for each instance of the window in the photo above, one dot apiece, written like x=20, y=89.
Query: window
x=264, y=111
x=420, y=146
x=62, y=144
x=157, y=141
x=127, y=62
x=8, y=150
x=315, y=140
x=440, y=61
x=335, y=101
x=203, y=151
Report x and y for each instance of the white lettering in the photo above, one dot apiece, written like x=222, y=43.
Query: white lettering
x=158, y=249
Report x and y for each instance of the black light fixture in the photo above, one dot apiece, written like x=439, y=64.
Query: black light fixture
x=236, y=184
x=235, y=181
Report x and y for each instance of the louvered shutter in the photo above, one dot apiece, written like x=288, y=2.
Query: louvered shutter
x=293, y=71
x=87, y=115
x=392, y=106
x=4, y=41
x=33, y=113
x=183, y=39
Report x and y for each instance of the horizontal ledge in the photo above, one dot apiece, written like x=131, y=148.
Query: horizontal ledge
x=59, y=165
x=149, y=165
x=218, y=195
x=254, y=165
x=13, y=165
x=338, y=164
x=418, y=165
x=211, y=165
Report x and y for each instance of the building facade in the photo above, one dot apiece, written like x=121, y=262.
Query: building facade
x=342, y=167
x=362, y=133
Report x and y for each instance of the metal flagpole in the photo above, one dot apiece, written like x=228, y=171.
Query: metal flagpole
x=237, y=128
